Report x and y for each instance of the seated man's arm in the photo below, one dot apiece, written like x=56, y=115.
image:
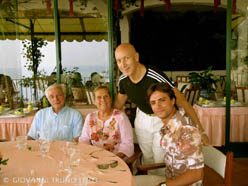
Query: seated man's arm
x=85, y=136
x=189, y=177
x=34, y=130
x=120, y=101
x=126, y=148
x=77, y=127
x=182, y=102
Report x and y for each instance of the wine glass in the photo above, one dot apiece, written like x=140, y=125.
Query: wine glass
x=22, y=142
x=75, y=159
x=44, y=147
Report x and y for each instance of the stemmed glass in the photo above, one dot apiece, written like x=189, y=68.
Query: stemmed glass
x=73, y=158
x=22, y=142
x=44, y=147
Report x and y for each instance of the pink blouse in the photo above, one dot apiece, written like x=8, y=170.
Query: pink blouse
x=115, y=134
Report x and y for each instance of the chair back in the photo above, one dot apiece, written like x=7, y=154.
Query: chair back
x=219, y=162
x=184, y=79
x=192, y=95
x=90, y=96
x=242, y=94
x=182, y=86
x=223, y=82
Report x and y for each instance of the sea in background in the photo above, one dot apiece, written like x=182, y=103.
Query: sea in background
x=89, y=57
x=85, y=72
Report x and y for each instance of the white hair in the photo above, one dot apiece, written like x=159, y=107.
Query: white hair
x=53, y=86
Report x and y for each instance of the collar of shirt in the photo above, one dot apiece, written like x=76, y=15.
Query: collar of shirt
x=172, y=124
x=61, y=112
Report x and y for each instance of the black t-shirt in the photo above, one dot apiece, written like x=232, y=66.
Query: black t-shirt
x=137, y=92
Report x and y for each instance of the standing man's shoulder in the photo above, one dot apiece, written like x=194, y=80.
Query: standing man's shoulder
x=122, y=78
x=158, y=75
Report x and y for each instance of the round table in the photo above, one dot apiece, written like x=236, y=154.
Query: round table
x=28, y=167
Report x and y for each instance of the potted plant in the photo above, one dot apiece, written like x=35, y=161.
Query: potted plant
x=74, y=83
x=205, y=80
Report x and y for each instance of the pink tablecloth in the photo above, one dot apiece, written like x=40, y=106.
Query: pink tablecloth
x=213, y=120
x=25, y=165
x=12, y=127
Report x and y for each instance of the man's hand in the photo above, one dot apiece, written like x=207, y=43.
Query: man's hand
x=120, y=101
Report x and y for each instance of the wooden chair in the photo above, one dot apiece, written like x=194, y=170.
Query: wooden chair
x=90, y=96
x=223, y=82
x=242, y=94
x=134, y=160
x=192, y=95
x=184, y=79
x=218, y=167
x=130, y=110
x=182, y=86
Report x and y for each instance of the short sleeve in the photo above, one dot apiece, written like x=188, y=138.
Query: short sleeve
x=77, y=124
x=85, y=136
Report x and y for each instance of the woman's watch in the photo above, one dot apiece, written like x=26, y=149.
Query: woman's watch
x=162, y=184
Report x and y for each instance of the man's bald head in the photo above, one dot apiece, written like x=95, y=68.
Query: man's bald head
x=127, y=47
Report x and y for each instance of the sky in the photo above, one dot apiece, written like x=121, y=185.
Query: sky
x=86, y=55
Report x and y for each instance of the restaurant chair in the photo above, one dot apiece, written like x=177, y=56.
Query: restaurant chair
x=218, y=167
x=184, y=79
x=143, y=179
x=143, y=169
x=182, y=83
x=192, y=95
x=90, y=96
x=182, y=86
x=134, y=160
x=223, y=82
x=242, y=94
x=130, y=110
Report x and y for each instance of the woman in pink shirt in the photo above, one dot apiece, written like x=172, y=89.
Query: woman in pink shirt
x=107, y=127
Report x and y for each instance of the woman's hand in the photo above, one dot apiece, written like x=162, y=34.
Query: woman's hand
x=121, y=155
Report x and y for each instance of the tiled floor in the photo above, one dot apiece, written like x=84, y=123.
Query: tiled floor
x=240, y=172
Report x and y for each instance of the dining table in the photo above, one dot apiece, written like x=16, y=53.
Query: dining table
x=95, y=166
x=213, y=119
x=19, y=125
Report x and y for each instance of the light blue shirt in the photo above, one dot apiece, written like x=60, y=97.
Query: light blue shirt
x=64, y=126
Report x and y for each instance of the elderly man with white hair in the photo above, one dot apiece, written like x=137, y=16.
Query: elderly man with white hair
x=57, y=122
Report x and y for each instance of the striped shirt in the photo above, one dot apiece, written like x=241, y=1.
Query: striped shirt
x=64, y=126
x=137, y=92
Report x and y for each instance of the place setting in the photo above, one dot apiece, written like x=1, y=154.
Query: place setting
x=218, y=103
x=6, y=112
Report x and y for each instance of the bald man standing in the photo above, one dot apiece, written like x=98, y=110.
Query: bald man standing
x=134, y=82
